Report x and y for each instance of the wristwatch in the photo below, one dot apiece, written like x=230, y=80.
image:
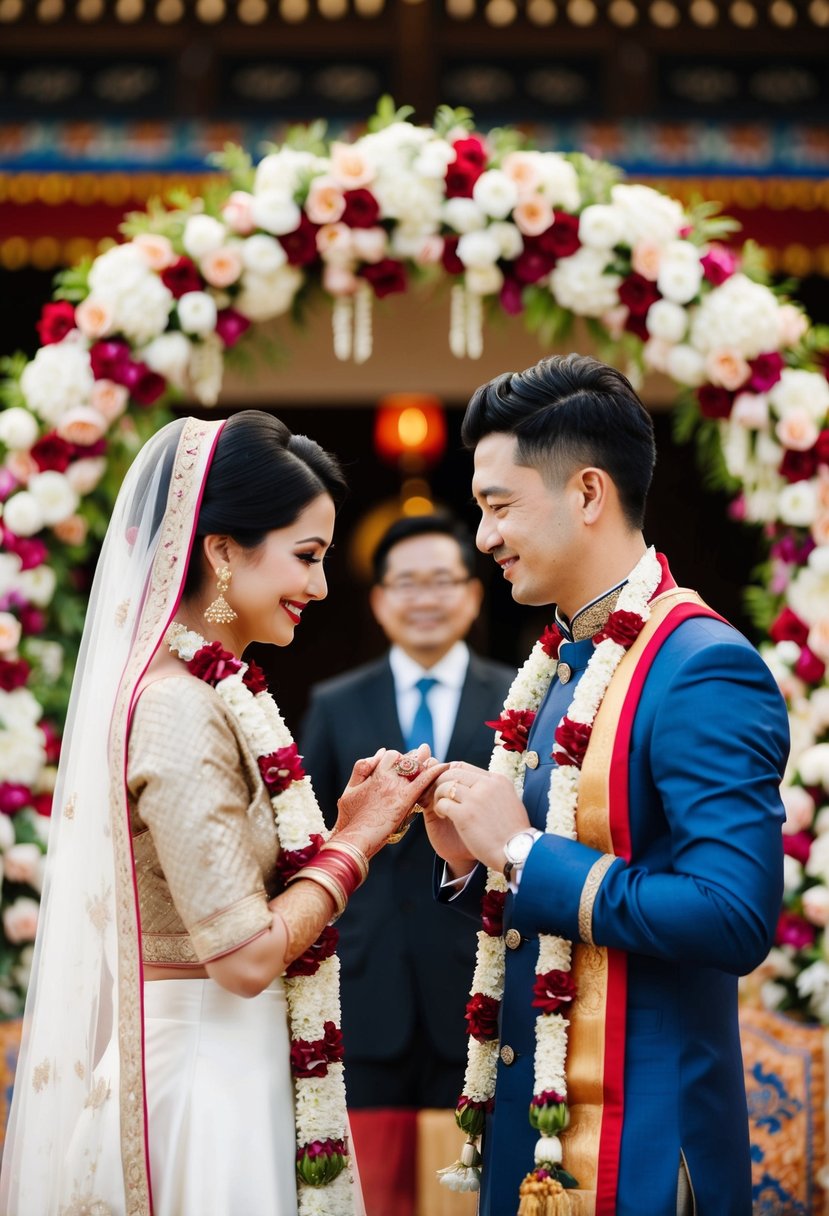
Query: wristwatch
x=517, y=850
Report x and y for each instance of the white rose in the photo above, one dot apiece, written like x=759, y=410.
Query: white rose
x=283, y=171
x=819, y=709
x=800, y=808
x=581, y=284
x=813, y=766
x=484, y=280
x=57, y=379
x=816, y=905
x=415, y=204
x=798, y=390
x=265, y=296
x=797, y=504
x=433, y=159
x=751, y=410
x=821, y=822
x=83, y=475
x=792, y=875
x=20, y=920
x=495, y=194
x=818, y=560
x=463, y=214
x=22, y=863
x=142, y=313
x=38, y=585
x=206, y=370
x=19, y=708
x=22, y=755
x=680, y=272
x=47, y=655
x=557, y=180
x=262, y=254
x=510, y=240
x=772, y=995
x=197, y=313
x=276, y=212
x=203, y=234
x=736, y=450
x=739, y=314
x=22, y=514
x=648, y=215
x=10, y=632
x=788, y=652
x=478, y=249
x=169, y=354
x=686, y=366
x=117, y=271
x=18, y=428
x=601, y=226
x=54, y=495
x=667, y=321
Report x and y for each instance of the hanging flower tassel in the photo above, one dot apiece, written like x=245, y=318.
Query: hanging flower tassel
x=474, y=325
x=542, y=1195
x=363, y=333
x=465, y=1174
x=342, y=324
x=457, y=321
x=466, y=324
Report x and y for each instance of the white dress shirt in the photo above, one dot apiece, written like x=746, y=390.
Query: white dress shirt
x=443, y=699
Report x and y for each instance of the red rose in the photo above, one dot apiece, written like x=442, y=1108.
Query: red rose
x=573, y=738
x=32, y=620
x=230, y=325
x=56, y=320
x=42, y=804
x=333, y=1040
x=550, y=640
x=714, y=402
x=308, y=963
x=548, y=1097
x=449, y=257
x=798, y=466
x=637, y=326
x=254, y=679
x=301, y=245
x=794, y=930
x=13, y=797
x=561, y=239
x=765, y=372
x=482, y=1017
x=788, y=627
x=291, y=860
x=386, y=277
x=361, y=209
x=52, y=452
x=492, y=913
x=31, y=550
x=532, y=264
x=213, y=664
x=638, y=293
x=514, y=727
x=308, y=1059
x=511, y=297
x=470, y=151
x=109, y=360
x=52, y=740
x=621, y=627
x=145, y=385
x=281, y=768
x=822, y=447
x=13, y=674
x=181, y=277
x=718, y=264
x=554, y=992
x=460, y=179
x=798, y=845
x=809, y=667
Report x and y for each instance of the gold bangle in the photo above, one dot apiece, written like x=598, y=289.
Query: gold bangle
x=345, y=846
x=328, y=883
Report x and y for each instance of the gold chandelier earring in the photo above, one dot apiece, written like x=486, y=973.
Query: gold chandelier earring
x=220, y=611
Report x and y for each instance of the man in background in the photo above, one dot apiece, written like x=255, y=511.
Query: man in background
x=405, y=964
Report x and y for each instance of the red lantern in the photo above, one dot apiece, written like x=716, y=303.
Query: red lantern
x=410, y=429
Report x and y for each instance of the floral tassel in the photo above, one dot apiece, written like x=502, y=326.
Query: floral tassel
x=457, y=322
x=541, y=1195
x=363, y=335
x=474, y=325
x=342, y=319
x=465, y=1174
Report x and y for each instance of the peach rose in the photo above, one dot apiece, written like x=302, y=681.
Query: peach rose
x=22, y=863
x=646, y=258
x=221, y=267
x=325, y=203
x=800, y=809
x=334, y=243
x=751, y=410
x=10, y=632
x=727, y=368
x=339, y=280
x=156, y=250
x=20, y=920
x=430, y=251
x=350, y=167
x=237, y=212
x=109, y=399
x=792, y=324
x=798, y=430
x=93, y=318
x=71, y=531
x=532, y=216
x=370, y=244
x=820, y=530
x=83, y=475
x=816, y=905
x=21, y=465
x=82, y=425
x=522, y=171
x=822, y=485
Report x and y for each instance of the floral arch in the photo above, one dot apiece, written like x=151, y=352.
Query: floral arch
x=337, y=225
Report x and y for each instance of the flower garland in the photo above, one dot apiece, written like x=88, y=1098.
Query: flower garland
x=553, y=991
x=324, y=1182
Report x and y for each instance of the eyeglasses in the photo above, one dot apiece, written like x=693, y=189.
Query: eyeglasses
x=440, y=588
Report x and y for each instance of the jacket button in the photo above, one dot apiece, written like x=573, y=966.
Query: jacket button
x=531, y=759
x=507, y=1054
x=564, y=672
x=512, y=939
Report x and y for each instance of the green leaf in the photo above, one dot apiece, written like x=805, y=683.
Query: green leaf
x=715, y=474
x=237, y=163
x=73, y=283
x=761, y=607
x=686, y=418
x=450, y=118
x=753, y=262
x=387, y=113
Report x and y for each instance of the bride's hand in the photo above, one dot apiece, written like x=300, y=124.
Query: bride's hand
x=377, y=798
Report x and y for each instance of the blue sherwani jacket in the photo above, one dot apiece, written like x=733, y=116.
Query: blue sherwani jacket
x=694, y=908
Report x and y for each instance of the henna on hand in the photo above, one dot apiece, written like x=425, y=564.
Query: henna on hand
x=304, y=909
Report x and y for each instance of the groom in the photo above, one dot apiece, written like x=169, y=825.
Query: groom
x=672, y=888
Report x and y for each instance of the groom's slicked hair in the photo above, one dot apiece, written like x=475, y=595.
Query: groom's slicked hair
x=569, y=412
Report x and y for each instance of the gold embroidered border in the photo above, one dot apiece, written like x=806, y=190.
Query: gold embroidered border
x=232, y=927
x=588, y=896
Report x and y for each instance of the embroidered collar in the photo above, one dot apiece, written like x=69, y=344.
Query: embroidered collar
x=590, y=619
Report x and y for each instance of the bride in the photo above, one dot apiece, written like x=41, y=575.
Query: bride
x=181, y=1051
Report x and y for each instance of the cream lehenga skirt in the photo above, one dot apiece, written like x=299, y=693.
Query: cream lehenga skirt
x=219, y=1100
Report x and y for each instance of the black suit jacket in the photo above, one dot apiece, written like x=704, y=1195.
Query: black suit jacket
x=402, y=954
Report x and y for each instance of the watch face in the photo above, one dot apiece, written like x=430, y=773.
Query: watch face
x=518, y=847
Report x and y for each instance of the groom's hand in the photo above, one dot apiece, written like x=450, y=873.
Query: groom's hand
x=482, y=808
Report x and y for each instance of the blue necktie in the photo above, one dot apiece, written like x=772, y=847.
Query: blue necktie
x=422, y=729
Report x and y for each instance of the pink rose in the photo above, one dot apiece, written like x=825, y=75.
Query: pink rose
x=237, y=213
x=800, y=809
x=71, y=531
x=20, y=920
x=94, y=318
x=221, y=267
x=727, y=368
x=156, y=250
x=646, y=258
x=429, y=253
x=818, y=640
x=109, y=399
x=339, y=280
x=798, y=430
x=532, y=216
x=816, y=906
x=350, y=167
x=22, y=863
x=820, y=529
x=325, y=203
x=82, y=425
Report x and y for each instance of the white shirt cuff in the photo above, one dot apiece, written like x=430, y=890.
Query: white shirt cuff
x=457, y=885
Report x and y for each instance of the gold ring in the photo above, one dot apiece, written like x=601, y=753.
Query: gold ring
x=407, y=767
x=450, y=794
x=416, y=810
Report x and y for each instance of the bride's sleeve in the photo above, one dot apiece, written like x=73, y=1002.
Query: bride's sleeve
x=186, y=777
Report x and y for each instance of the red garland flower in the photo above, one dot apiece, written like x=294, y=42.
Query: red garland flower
x=492, y=912
x=333, y=1040
x=291, y=860
x=322, y=1148
x=281, y=768
x=554, y=992
x=482, y=1017
x=57, y=319
x=548, y=1097
x=52, y=452
x=213, y=664
x=308, y=963
x=573, y=738
x=309, y=1059
x=514, y=728
x=621, y=627
x=550, y=640
x=254, y=679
